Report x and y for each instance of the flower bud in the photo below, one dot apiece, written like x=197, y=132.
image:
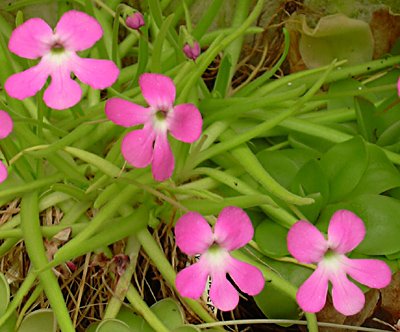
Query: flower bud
x=135, y=20
x=192, y=52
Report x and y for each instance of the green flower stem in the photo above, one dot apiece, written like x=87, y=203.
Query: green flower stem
x=207, y=18
x=219, y=44
x=272, y=209
x=30, y=225
x=19, y=296
x=122, y=287
x=158, y=257
x=142, y=308
x=280, y=283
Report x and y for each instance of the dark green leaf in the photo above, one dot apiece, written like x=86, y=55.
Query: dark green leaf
x=365, y=113
x=271, y=238
x=283, y=165
x=311, y=181
x=344, y=165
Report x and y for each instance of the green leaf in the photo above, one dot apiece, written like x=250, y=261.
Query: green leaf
x=4, y=294
x=312, y=182
x=381, y=217
x=10, y=323
x=309, y=143
x=380, y=175
x=283, y=165
x=365, y=114
x=390, y=135
x=42, y=320
x=169, y=312
x=276, y=304
x=135, y=322
x=336, y=90
x=344, y=165
x=113, y=325
x=271, y=238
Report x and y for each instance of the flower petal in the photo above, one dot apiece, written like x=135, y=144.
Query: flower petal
x=222, y=293
x=31, y=39
x=158, y=90
x=27, y=83
x=78, y=31
x=3, y=172
x=99, y=74
x=345, y=231
x=63, y=92
x=191, y=281
x=163, y=163
x=126, y=114
x=347, y=298
x=193, y=234
x=185, y=123
x=6, y=124
x=306, y=243
x=247, y=277
x=233, y=228
x=370, y=272
x=137, y=147
x=311, y=295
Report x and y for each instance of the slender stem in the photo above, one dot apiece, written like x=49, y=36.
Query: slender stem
x=286, y=321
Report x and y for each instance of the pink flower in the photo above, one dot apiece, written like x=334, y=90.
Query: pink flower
x=307, y=244
x=135, y=21
x=75, y=31
x=232, y=231
x=150, y=144
x=6, y=126
x=192, y=52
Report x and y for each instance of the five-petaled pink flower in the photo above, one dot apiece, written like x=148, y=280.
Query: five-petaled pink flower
x=232, y=231
x=150, y=144
x=6, y=126
x=75, y=31
x=345, y=232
